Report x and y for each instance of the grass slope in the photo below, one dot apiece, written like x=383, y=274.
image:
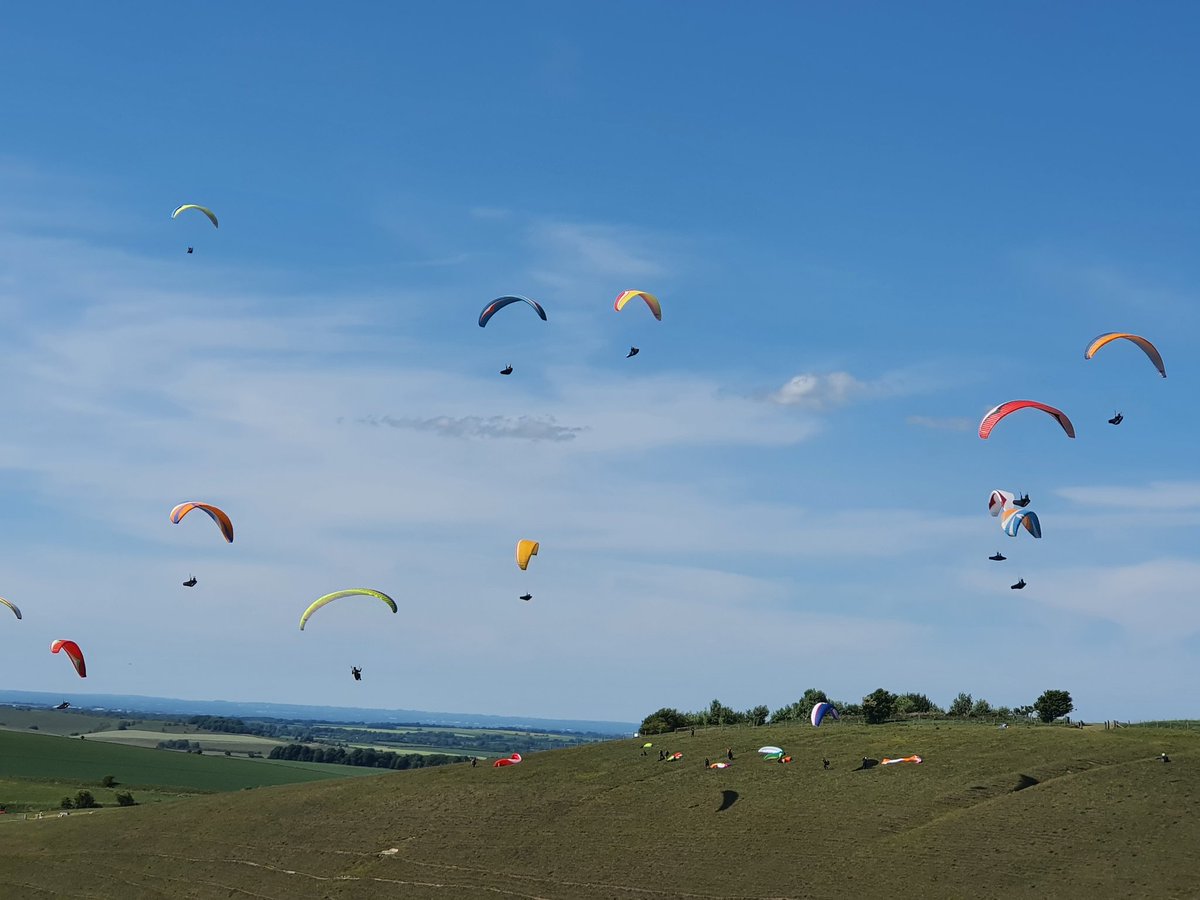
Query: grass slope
x=1097, y=817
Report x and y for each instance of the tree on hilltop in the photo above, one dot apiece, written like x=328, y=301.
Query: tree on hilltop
x=662, y=721
x=1053, y=705
x=961, y=707
x=878, y=706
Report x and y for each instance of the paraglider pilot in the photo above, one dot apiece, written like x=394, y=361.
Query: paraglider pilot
x=633, y=351
x=1116, y=420
x=825, y=763
x=191, y=582
x=1018, y=586
x=356, y=672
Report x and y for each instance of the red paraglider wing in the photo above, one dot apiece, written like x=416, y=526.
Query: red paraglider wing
x=996, y=413
x=73, y=653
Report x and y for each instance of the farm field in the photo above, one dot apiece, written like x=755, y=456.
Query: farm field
x=1024, y=811
x=37, y=771
x=216, y=741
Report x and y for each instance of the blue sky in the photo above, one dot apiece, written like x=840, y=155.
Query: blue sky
x=867, y=226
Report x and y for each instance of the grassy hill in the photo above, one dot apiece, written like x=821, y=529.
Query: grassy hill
x=1018, y=812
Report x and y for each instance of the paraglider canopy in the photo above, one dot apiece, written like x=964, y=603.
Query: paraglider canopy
x=1013, y=520
x=651, y=301
x=73, y=653
x=336, y=595
x=820, y=711
x=1148, y=348
x=770, y=749
x=500, y=302
x=508, y=761
x=215, y=513
x=525, y=550
x=12, y=606
x=212, y=217
x=996, y=413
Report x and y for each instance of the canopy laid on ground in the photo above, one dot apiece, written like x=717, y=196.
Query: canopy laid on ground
x=507, y=761
x=903, y=759
x=770, y=749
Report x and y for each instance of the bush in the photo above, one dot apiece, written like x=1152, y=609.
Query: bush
x=1053, y=705
x=124, y=798
x=108, y=781
x=85, y=800
x=66, y=803
x=878, y=706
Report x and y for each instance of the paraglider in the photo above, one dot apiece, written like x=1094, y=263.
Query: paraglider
x=350, y=592
x=1013, y=520
x=651, y=301
x=500, y=302
x=769, y=750
x=507, y=370
x=1116, y=420
x=820, y=711
x=525, y=550
x=212, y=217
x=73, y=653
x=12, y=606
x=1148, y=348
x=216, y=514
x=633, y=351
x=356, y=672
x=998, y=557
x=63, y=705
x=507, y=761
x=903, y=759
x=1021, y=501
x=996, y=413
x=191, y=582
x=526, y=597
x=190, y=249
x=1019, y=586
x=998, y=500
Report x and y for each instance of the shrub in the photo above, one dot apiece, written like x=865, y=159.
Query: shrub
x=124, y=798
x=108, y=781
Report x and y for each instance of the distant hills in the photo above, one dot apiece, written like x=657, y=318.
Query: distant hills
x=133, y=703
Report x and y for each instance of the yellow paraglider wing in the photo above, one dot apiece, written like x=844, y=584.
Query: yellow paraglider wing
x=11, y=606
x=651, y=301
x=329, y=598
x=526, y=549
x=212, y=217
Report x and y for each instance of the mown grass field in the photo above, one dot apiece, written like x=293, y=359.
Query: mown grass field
x=37, y=771
x=1095, y=816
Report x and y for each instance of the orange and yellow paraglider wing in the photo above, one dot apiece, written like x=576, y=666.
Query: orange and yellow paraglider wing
x=1148, y=348
x=215, y=513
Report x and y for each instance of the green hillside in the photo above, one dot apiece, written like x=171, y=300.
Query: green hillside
x=1023, y=811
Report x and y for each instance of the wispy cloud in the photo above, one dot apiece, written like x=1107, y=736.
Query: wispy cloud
x=1154, y=600
x=947, y=423
x=1157, y=495
x=828, y=390
x=526, y=428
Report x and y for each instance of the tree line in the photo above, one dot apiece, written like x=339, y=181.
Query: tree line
x=362, y=756
x=875, y=708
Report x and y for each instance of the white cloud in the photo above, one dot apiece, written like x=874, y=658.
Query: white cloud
x=1157, y=495
x=948, y=423
x=528, y=428
x=819, y=392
